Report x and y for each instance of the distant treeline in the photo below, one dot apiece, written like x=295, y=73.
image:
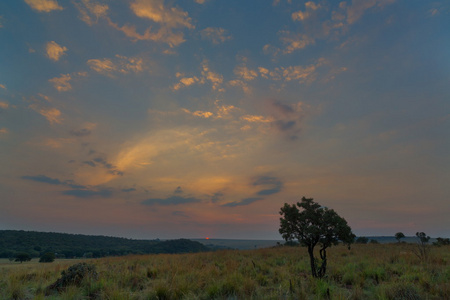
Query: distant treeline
x=66, y=245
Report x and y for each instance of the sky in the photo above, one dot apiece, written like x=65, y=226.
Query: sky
x=201, y=118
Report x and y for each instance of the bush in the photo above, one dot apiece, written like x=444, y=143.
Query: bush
x=21, y=257
x=73, y=276
x=47, y=257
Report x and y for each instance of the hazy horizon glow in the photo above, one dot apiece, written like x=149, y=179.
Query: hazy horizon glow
x=201, y=118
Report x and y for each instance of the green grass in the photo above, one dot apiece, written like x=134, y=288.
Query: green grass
x=383, y=271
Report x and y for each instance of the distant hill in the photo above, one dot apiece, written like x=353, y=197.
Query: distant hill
x=78, y=245
x=256, y=244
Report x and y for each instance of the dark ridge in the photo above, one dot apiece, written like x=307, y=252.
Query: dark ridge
x=66, y=245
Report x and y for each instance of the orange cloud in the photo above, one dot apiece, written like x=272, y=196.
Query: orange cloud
x=52, y=115
x=156, y=11
x=44, y=5
x=3, y=132
x=90, y=10
x=215, y=35
x=55, y=51
x=62, y=84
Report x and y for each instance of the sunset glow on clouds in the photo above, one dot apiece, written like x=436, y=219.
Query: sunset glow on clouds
x=169, y=119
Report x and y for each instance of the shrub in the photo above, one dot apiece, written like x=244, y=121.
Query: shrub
x=47, y=257
x=73, y=276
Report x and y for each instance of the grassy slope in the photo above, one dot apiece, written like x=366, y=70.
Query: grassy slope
x=382, y=271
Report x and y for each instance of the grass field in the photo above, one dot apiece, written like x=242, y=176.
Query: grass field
x=380, y=271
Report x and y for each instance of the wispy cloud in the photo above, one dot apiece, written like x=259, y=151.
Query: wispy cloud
x=3, y=132
x=243, y=202
x=155, y=10
x=117, y=65
x=207, y=74
x=91, y=11
x=53, y=181
x=85, y=131
x=53, y=115
x=171, y=21
x=275, y=185
x=104, y=193
x=215, y=35
x=55, y=51
x=44, y=5
x=102, y=162
x=4, y=105
x=171, y=200
x=62, y=84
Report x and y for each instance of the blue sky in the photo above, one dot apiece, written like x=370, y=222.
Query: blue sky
x=168, y=119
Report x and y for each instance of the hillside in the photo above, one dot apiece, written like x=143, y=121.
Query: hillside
x=78, y=245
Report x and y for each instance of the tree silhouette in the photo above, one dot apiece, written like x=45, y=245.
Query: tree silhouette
x=399, y=235
x=312, y=224
x=21, y=257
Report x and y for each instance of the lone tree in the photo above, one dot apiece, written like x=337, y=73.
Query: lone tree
x=47, y=257
x=21, y=257
x=399, y=236
x=312, y=224
x=422, y=246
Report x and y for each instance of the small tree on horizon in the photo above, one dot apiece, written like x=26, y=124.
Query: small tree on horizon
x=422, y=246
x=312, y=224
x=399, y=235
x=47, y=257
x=21, y=257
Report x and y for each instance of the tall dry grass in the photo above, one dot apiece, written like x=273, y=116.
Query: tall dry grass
x=364, y=272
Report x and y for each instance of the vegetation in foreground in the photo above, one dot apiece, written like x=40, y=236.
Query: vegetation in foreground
x=371, y=271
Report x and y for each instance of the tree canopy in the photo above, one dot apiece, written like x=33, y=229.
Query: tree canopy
x=312, y=224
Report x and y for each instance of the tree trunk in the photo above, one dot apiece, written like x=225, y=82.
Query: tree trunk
x=323, y=267
x=312, y=261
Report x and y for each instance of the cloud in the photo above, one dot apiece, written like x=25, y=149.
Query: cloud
x=216, y=197
x=358, y=7
x=187, y=81
x=299, y=73
x=172, y=200
x=275, y=183
x=283, y=108
x=53, y=181
x=206, y=75
x=3, y=132
x=200, y=1
x=4, y=105
x=2, y=86
x=79, y=191
x=44, y=5
x=99, y=161
x=215, y=78
x=105, y=193
x=87, y=130
x=287, y=118
x=90, y=10
x=295, y=42
x=199, y=113
x=128, y=190
x=256, y=119
x=215, y=35
x=245, y=73
x=243, y=202
x=169, y=17
x=53, y=115
x=62, y=84
x=119, y=64
x=55, y=51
